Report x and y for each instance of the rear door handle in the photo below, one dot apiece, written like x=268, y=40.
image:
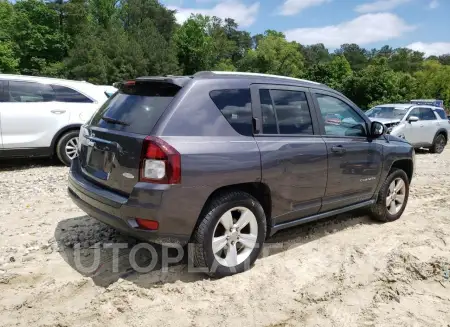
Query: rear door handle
x=58, y=112
x=338, y=149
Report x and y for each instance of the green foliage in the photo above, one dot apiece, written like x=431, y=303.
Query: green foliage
x=274, y=55
x=104, y=41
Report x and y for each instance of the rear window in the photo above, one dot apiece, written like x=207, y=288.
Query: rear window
x=236, y=107
x=441, y=113
x=136, y=107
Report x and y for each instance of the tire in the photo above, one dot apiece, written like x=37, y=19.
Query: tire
x=201, y=252
x=379, y=210
x=63, y=142
x=439, y=143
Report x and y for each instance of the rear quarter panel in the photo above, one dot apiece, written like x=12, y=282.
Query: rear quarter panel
x=213, y=154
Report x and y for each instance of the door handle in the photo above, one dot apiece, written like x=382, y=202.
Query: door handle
x=421, y=125
x=338, y=149
x=57, y=111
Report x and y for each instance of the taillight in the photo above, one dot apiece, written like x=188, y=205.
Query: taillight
x=160, y=162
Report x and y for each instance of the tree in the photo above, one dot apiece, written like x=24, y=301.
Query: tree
x=274, y=55
x=195, y=46
x=36, y=33
x=334, y=73
x=375, y=84
x=434, y=81
x=356, y=56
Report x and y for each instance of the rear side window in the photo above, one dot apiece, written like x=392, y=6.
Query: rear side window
x=20, y=91
x=441, y=113
x=285, y=112
x=65, y=94
x=135, y=108
x=427, y=114
x=236, y=107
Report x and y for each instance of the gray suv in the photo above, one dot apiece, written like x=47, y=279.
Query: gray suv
x=223, y=160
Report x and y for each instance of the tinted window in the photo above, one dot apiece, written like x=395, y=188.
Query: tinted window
x=427, y=114
x=285, y=112
x=236, y=107
x=138, y=107
x=3, y=97
x=65, y=94
x=269, y=119
x=29, y=92
x=441, y=113
x=340, y=119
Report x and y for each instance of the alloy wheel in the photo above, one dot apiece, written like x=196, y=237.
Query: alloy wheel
x=235, y=236
x=71, y=148
x=396, y=196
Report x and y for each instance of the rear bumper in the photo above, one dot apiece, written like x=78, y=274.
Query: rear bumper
x=120, y=212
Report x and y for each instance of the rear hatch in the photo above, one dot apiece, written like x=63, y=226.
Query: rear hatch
x=111, y=143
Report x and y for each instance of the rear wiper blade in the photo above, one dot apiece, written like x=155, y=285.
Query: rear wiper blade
x=114, y=121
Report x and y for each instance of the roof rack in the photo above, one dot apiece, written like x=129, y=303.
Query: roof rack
x=209, y=73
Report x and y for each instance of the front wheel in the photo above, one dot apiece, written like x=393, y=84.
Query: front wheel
x=392, y=197
x=230, y=235
x=66, y=148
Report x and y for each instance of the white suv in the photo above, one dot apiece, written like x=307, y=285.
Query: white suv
x=421, y=125
x=42, y=116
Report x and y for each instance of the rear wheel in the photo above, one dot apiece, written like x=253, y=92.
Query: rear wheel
x=440, y=141
x=230, y=235
x=392, y=197
x=66, y=148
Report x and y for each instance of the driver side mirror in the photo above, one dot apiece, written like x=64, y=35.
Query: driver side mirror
x=413, y=118
x=377, y=129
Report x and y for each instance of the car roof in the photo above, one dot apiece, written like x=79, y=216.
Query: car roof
x=43, y=80
x=259, y=78
x=86, y=88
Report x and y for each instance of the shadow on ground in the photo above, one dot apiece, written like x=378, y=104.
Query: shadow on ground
x=92, y=249
x=26, y=163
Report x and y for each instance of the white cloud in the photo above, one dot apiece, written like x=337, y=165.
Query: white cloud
x=244, y=15
x=292, y=7
x=362, y=30
x=380, y=5
x=431, y=49
x=433, y=4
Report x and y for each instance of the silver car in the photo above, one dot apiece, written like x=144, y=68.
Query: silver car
x=421, y=125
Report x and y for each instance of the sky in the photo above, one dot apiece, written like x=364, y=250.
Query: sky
x=422, y=25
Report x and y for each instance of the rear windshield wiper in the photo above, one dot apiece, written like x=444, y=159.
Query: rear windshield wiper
x=114, y=121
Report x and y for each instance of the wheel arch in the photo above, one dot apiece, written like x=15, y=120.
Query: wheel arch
x=260, y=191
x=442, y=131
x=407, y=165
x=61, y=132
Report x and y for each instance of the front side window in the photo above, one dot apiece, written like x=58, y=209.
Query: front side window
x=236, y=106
x=20, y=91
x=339, y=118
x=65, y=94
x=285, y=112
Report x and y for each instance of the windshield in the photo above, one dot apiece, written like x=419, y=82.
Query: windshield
x=386, y=112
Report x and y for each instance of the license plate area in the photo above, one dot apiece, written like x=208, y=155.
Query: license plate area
x=99, y=162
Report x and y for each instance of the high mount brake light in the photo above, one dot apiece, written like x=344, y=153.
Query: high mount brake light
x=160, y=162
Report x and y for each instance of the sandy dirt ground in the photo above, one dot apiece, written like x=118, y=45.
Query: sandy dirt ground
x=345, y=271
